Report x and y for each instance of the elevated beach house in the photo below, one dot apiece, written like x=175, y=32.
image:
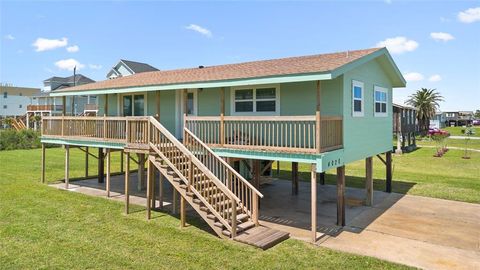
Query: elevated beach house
x=208, y=129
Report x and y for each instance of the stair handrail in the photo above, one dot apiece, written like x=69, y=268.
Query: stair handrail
x=195, y=160
x=224, y=163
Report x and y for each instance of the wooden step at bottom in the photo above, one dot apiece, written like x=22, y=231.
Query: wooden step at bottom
x=240, y=228
x=218, y=224
x=211, y=216
x=262, y=237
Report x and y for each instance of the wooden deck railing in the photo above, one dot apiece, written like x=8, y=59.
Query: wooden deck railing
x=274, y=133
x=132, y=130
x=34, y=108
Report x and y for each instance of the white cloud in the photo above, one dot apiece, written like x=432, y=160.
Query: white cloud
x=470, y=15
x=69, y=64
x=413, y=76
x=93, y=66
x=44, y=44
x=73, y=48
x=199, y=29
x=9, y=37
x=435, y=78
x=398, y=44
x=441, y=36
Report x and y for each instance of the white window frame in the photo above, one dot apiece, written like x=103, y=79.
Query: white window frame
x=254, y=100
x=377, y=88
x=362, y=86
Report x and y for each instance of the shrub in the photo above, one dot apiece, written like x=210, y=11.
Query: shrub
x=439, y=136
x=23, y=139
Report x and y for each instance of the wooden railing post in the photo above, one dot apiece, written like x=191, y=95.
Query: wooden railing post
x=222, y=116
x=104, y=127
x=234, y=218
x=127, y=130
x=63, y=125
x=255, y=208
x=318, y=119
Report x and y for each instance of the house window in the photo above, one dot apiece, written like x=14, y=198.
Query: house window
x=357, y=98
x=258, y=100
x=133, y=105
x=381, y=101
x=5, y=95
x=4, y=106
x=20, y=106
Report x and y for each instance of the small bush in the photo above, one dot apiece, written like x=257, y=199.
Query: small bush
x=24, y=139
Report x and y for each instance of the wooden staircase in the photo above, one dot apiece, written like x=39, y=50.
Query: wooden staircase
x=18, y=124
x=221, y=196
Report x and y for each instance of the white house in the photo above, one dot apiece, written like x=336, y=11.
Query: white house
x=14, y=100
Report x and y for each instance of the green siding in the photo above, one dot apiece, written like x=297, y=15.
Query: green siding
x=301, y=98
x=208, y=102
x=368, y=135
x=112, y=105
x=167, y=110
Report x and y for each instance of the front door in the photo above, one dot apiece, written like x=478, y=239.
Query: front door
x=191, y=109
x=133, y=105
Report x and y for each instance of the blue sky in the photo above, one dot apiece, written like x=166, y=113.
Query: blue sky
x=435, y=44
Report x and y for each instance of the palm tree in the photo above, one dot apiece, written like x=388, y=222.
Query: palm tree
x=426, y=101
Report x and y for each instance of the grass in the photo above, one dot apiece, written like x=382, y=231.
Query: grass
x=42, y=227
x=457, y=131
x=418, y=173
x=472, y=143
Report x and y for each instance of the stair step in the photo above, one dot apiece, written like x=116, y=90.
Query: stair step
x=183, y=186
x=240, y=228
x=172, y=173
x=197, y=201
x=190, y=194
x=204, y=208
x=177, y=179
x=211, y=216
x=229, y=210
x=219, y=225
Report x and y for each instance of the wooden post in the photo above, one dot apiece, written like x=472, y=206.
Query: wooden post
x=369, y=181
x=256, y=173
x=108, y=171
x=389, y=171
x=67, y=165
x=64, y=105
x=100, y=165
x=234, y=219
x=149, y=188
x=318, y=119
x=341, y=196
x=141, y=172
x=160, y=190
x=121, y=162
x=322, y=178
x=174, y=200
x=86, y=161
x=222, y=116
x=127, y=176
x=43, y=164
x=278, y=168
x=152, y=176
x=105, y=105
x=182, y=211
x=157, y=107
x=255, y=209
x=294, y=178
x=314, y=201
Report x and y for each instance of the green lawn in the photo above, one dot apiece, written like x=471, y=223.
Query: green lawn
x=457, y=131
x=42, y=227
x=472, y=143
x=418, y=173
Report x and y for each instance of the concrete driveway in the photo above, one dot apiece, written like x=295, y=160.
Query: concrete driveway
x=417, y=231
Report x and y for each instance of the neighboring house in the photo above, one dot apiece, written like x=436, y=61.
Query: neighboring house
x=458, y=118
x=405, y=127
x=193, y=125
x=77, y=105
x=14, y=100
x=438, y=121
x=126, y=68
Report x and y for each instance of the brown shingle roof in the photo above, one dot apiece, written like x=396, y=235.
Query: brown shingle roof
x=265, y=68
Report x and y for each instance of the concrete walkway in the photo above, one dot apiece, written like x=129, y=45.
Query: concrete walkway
x=417, y=231
x=464, y=137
